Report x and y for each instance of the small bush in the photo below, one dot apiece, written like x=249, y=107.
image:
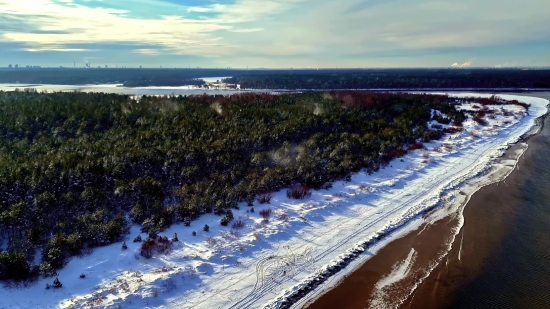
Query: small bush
x=147, y=248
x=138, y=239
x=431, y=135
x=211, y=241
x=283, y=217
x=299, y=192
x=175, y=237
x=265, y=198
x=57, y=284
x=124, y=246
x=194, y=233
x=266, y=214
x=479, y=120
x=252, y=209
x=206, y=228
x=452, y=130
x=82, y=276
x=224, y=221
x=249, y=200
x=415, y=146
x=164, y=245
x=238, y=224
x=187, y=221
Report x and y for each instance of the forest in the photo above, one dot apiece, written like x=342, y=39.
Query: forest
x=397, y=79
x=289, y=79
x=77, y=169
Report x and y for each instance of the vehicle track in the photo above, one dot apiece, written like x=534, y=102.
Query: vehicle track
x=427, y=187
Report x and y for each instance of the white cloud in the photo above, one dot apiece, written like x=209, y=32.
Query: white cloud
x=246, y=30
x=287, y=32
x=147, y=51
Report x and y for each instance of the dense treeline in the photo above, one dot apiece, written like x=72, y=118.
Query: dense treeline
x=75, y=168
x=419, y=79
x=291, y=79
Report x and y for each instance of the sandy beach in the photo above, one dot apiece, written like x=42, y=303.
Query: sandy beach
x=432, y=279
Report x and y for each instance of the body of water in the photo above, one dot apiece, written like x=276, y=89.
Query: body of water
x=500, y=258
x=183, y=90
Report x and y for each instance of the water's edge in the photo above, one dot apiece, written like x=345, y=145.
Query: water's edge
x=535, y=129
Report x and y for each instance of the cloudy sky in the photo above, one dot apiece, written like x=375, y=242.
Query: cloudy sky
x=275, y=33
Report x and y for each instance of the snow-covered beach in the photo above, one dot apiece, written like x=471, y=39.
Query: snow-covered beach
x=265, y=263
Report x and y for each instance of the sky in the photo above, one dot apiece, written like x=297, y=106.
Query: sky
x=275, y=33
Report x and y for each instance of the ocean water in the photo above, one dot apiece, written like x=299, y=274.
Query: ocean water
x=183, y=90
x=517, y=273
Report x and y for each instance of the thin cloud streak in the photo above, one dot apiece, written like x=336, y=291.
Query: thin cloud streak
x=281, y=32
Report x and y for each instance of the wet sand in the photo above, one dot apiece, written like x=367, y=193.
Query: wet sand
x=480, y=237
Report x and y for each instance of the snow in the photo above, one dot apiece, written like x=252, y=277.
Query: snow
x=305, y=244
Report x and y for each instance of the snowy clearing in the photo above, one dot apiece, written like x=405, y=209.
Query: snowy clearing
x=265, y=262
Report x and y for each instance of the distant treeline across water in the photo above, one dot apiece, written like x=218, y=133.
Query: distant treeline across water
x=291, y=79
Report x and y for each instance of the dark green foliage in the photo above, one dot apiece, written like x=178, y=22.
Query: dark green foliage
x=57, y=284
x=137, y=239
x=13, y=265
x=194, y=233
x=393, y=79
x=74, y=165
x=206, y=228
x=175, y=237
x=124, y=246
x=290, y=79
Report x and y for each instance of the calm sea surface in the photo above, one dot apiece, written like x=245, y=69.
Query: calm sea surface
x=119, y=90
x=517, y=274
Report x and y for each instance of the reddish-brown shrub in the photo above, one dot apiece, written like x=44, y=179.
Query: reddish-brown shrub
x=147, y=248
x=298, y=192
x=266, y=214
x=265, y=198
x=415, y=146
x=452, y=130
x=164, y=245
x=238, y=224
x=480, y=120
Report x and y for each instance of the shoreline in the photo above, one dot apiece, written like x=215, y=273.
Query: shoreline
x=503, y=201
x=373, y=271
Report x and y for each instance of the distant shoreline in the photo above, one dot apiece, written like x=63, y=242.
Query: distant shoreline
x=195, y=88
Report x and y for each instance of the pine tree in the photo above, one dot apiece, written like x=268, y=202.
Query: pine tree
x=206, y=228
x=57, y=284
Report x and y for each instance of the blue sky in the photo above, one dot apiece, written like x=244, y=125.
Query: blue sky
x=275, y=33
